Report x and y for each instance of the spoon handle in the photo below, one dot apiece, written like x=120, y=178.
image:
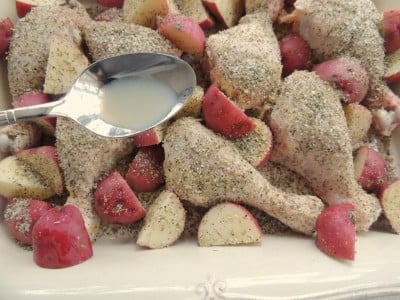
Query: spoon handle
x=11, y=116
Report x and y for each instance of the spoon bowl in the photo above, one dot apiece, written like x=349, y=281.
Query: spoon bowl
x=83, y=102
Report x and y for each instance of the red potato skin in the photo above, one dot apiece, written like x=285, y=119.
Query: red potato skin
x=6, y=27
x=147, y=138
x=115, y=202
x=60, y=238
x=336, y=231
x=393, y=78
x=391, y=30
x=295, y=53
x=207, y=24
x=19, y=222
x=223, y=116
x=145, y=173
x=341, y=74
x=34, y=98
x=188, y=28
x=374, y=173
x=23, y=8
x=49, y=151
x=111, y=3
x=31, y=98
x=266, y=158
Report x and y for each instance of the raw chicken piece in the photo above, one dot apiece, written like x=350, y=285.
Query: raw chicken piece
x=105, y=39
x=245, y=61
x=340, y=28
x=84, y=158
x=29, y=46
x=204, y=169
x=312, y=139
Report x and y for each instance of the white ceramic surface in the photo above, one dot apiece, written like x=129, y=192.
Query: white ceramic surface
x=281, y=267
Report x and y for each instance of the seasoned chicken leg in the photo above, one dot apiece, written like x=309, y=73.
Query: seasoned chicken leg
x=84, y=158
x=245, y=61
x=204, y=169
x=29, y=46
x=342, y=28
x=312, y=139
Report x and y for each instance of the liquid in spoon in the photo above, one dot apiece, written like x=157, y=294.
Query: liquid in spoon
x=136, y=102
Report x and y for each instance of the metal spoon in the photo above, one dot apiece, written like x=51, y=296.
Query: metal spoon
x=83, y=104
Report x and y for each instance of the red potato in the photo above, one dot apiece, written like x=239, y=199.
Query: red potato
x=184, y=32
x=18, y=180
x=336, y=231
x=228, y=12
x=111, y=3
x=228, y=224
x=346, y=75
x=391, y=30
x=390, y=201
x=295, y=53
x=115, y=202
x=370, y=169
x=164, y=222
x=392, y=62
x=256, y=147
x=196, y=10
x=150, y=137
x=60, y=238
x=25, y=6
x=32, y=98
x=6, y=27
x=20, y=214
x=224, y=116
x=145, y=173
x=44, y=161
x=359, y=120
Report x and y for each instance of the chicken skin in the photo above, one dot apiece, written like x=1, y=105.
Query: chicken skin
x=204, y=169
x=245, y=61
x=312, y=139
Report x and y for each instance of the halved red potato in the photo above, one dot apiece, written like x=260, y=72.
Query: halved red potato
x=44, y=161
x=359, y=121
x=295, y=53
x=6, y=27
x=370, y=169
x=392, y=62
x=256, y=147
x=224, y=116
x=115, y=202
x=347, y=75
x=228, y=224
x=336, y=231
x=145, y=173
x=228, y=12
x=60, y=238
x=390, y=201
x=391, y=30
x=184, y=32
x=20, y=214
